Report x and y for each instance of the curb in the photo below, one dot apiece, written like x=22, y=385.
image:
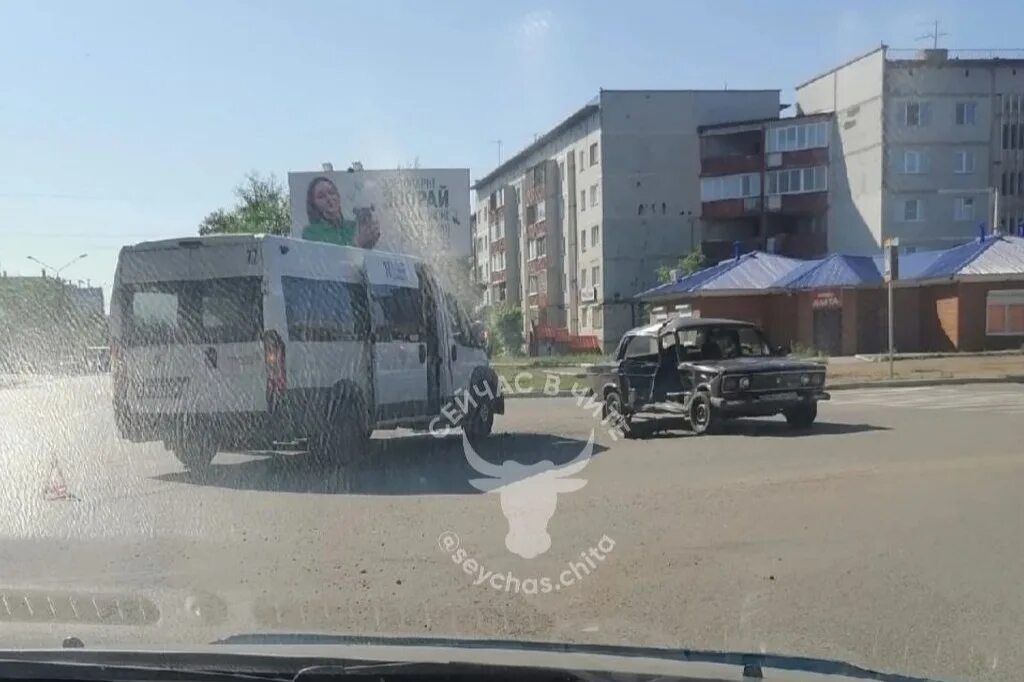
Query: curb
x=951, y=381
x=886, y=383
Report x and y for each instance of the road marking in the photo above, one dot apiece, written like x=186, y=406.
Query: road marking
x=996, y=400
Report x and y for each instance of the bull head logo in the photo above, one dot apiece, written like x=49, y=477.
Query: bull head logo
x=529, y=494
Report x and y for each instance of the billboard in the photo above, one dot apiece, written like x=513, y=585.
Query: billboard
x=421, y=212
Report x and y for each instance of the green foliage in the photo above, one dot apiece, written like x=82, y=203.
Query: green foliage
x=688, y=264
x=507, y=329
x=262, y=207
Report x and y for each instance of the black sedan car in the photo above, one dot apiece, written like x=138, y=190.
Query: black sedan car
x=706, y=371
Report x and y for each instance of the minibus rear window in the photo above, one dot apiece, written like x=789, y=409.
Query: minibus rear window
x=214, y=311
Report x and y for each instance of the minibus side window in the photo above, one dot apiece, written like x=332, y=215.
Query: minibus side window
x=396, y=313
x=322, y=310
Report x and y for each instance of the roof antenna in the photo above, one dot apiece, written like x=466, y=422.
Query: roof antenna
x=981, y=233
x=736, y=249
x=934, y=34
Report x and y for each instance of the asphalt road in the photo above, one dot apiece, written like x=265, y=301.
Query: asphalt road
x=889, y=535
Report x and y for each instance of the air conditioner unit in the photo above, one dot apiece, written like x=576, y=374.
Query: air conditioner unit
x=774, y=202
x=774, y=160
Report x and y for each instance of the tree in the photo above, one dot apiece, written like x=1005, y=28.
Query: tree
x=507, y=328
x=262, y=207
x=688, y=264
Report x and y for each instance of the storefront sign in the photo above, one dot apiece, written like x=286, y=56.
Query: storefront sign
x=826, y=300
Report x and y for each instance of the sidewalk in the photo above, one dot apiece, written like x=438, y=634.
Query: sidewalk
x=843, y=373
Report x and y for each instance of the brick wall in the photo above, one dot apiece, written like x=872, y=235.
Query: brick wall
x=971, y=327
x=939, y=317
x=774, y=313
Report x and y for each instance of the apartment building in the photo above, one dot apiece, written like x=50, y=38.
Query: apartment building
x=765, y=184
x=928, y=146
x=580, y=220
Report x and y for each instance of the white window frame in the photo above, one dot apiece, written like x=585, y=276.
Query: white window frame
x=917, y=167
x=583, y=240
x=794, y=180
x=1004, y=298
x=594, y=155
x=963, y=208
x=595, y=276
x=919, y=211
x=595, y=196
x=966, y=113
x=922, y=117
x=540, y=211
x=798, y=136
x=583, y=200
x=583, y=278
x=595, y=234
x=963, y=161
x=725, y=187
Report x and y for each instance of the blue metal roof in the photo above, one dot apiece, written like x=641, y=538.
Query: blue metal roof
x=757, y=270
x=754, y=270
x=836, y=270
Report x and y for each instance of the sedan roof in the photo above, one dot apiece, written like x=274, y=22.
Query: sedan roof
x=675, y=323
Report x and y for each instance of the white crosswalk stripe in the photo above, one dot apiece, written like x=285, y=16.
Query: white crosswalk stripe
x=1002, y=399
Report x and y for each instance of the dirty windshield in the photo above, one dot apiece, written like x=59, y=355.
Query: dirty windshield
x=665, y=325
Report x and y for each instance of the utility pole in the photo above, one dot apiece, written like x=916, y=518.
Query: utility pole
x=498, y=143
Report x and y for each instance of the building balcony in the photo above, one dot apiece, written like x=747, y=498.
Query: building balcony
x=537, y=264
x=538, y=229
x=730, y=208
x=731, y=165
x=498, y=277
x=808, y=203
x=817, y=156
x=498, y=245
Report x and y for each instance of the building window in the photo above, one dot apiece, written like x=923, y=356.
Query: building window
x=640, y=207
x=540, y=246
x=597, y=316
x=583, y=316
x=728, y=187
x=531, y=284
x=963, y=161
x=798, y=180
x=519, y=195
x=595, y=195
x=561, y=170
x=531, y=214
x=593, y=154
x=541, y=211
x=583, y=241
x=913, y=210
x=794, y=137
x=916, y=114
x=966, y=113
x=1014, y=139
x=581, y=161
x=1020, y=184
x=595, y=275
x=583, y=200
x=963, y=208
x=914, y=161
x=583, y=278
x=1004, y=312
x=595, y=233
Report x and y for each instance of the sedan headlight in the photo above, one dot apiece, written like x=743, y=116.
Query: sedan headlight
x=729, y=384
x=744, y=383
x=805, y=379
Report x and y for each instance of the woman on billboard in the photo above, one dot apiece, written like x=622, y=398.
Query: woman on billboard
x=328, y=224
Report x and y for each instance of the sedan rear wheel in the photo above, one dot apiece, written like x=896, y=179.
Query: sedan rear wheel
x=613, y=413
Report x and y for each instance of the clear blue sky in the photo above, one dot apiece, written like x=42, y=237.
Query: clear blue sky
x=124, y=121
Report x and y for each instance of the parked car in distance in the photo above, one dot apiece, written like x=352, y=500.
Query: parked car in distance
x=706, y=371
